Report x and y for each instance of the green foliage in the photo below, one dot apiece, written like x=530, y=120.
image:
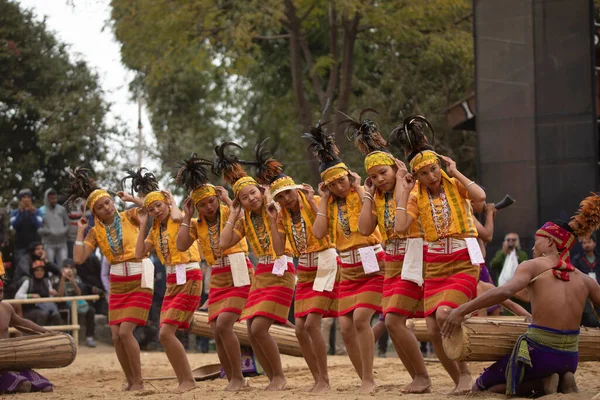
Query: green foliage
x=52, y=114
x=223, y=69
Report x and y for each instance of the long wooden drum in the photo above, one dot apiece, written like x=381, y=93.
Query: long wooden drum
x=284, y=336
x=419, y=327
x=482, y=339
x=47, y=350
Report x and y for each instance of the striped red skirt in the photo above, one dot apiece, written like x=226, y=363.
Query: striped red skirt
x=223, y=295
x=128, y=301
x=400, y=296
x=181, y=301
x=357, y=289
x=450, y=278
x=308, y=300
x=270, y=295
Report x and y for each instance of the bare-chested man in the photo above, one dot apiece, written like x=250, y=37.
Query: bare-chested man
x=548, y=352
x=24, y=380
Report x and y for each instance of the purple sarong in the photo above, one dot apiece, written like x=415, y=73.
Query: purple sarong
x=11, y=381
x=484, y=276
x=541, y=362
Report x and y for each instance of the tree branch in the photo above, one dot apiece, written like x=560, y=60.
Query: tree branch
x=455, y=23
x=307, y=12
x=314, y=78
x=333, y=27
x=272, y=37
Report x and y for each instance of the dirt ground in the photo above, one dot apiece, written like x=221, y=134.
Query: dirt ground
x=95, y=374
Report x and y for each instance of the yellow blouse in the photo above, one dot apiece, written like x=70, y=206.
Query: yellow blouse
x=299, y=236
x=166, y=247
x=208, y=238
x=385, y=212
x=123, y=250
x=259, y=236
x=343, y=220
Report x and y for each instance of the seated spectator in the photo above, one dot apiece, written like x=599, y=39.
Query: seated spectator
x=507, y=259
x=38, y=286
x=35, y=252
x=90, y=273
x=69, y=284
x=586, y=263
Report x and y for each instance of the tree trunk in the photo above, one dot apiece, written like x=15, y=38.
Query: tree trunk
x=350, y=27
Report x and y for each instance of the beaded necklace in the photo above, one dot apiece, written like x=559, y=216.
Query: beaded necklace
x=114, y=235
x=441, y=213
x=299, y=235
x=261, y=231
x=343, y=216
x=164, y=242
x=213, y=236
x=388, y=217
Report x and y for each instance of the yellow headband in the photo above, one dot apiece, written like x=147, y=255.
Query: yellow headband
x=154, y=196
x=282, y=184
x=378, y=158
x=242, y=183
x=423, y=159
x=94, y=197
x=334, y=172
x=202, y=193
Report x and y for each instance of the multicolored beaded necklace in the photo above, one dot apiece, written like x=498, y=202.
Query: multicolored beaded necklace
x=441, y=213
x=343, y=216
x=164, y=243
x=114, y=235
x=213, y=236
x=261, y=231
x=388, y=217
x=299, y=234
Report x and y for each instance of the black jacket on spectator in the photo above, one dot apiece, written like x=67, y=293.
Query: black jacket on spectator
x=89, y=272
x=580, y=262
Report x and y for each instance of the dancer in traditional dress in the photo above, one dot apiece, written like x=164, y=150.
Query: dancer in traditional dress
x=292, y=226
x=441, y=201
x=231, y=271
x=361, y=257
x=131, y=278
x=184, y=277
x=403, y=284
x=273, y=284
x=546, y=357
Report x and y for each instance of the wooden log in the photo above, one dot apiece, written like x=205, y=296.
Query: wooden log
x=481, y=339
x=284, y=336
x=419, y=327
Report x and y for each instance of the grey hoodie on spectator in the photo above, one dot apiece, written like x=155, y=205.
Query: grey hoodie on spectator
x=56, y=223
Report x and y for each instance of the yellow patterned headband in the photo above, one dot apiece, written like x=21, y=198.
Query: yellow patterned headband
x=282, y=184
x=242, y=183
x=334, y=172
x=378, y=158
x=155, y=196
x=423, y=159
x=94, y=197
x=203, y=192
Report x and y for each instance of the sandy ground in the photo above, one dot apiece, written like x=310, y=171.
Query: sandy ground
x=96, y=374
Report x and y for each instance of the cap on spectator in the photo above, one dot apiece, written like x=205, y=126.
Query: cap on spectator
x=24, y=192
x=37, y=264
x=68, y=261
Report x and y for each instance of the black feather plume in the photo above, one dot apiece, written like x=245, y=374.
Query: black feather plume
x=229, y=166
x=141, y=183
x=322, y=144
x=80, y=185
x=267, y=167
x=364, y=132
x=411, y=134
x=193, y=172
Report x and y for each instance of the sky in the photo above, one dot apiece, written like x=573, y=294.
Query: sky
x=83, y=27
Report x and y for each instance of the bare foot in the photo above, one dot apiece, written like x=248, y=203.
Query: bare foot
x=136, y=386
x=127, y=387
x=185, y=387
x=367, y=387
x=309, y=389
x=465, y=382
x=236, y=384
x=420, y=384
x=25, y=387
x=551, y=384
x=568, y=383
x=48, y=389
x=278, y=383
x=321, y=387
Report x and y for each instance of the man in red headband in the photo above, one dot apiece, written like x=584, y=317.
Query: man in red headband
x=546, y=356
x=24, y=380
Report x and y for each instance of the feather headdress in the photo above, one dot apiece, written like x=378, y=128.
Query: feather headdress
x=410, y=135
x=587, y=218
x=229, y=166
x=364, y=132
x=142, y=182
x=193, y=172
x=267, y=167
x=322, y=145
x=81, y=185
